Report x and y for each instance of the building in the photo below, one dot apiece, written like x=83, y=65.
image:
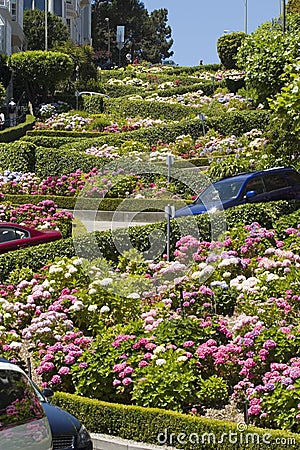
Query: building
x=11, y=26
x=76, y=14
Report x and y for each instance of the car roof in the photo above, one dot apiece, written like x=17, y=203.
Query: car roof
x=7, y=365
x=245, y=175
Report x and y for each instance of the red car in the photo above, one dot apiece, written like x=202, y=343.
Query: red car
x=14, y=236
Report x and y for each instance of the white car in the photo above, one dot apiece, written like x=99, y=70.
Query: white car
x=23, y=422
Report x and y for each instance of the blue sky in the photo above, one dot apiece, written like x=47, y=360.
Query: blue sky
x=197, y=25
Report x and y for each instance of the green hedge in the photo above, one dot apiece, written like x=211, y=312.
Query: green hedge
x=239, y=122
x=18, y=155
x=52, y=162
x=90, y=245
x=154, y=426
x=14, y=133
x=49, y=141
x=91, y=204
x=120, y=107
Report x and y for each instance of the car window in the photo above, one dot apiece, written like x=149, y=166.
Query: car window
x=275, y=181
x=255, y=184
x=220, y=190
x=18, y=401
x=11, y=234
x=294, y=177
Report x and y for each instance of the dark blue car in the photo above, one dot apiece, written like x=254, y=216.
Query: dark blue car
x=280, y=183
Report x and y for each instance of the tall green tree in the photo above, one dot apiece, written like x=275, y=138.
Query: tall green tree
x=39, y=72
x=34, y=30
x=146, y=36
x=264, y=54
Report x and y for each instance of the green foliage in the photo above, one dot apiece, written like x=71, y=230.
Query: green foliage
x=145, y=34
x=293, y=7
x=264, y=54
x=18, y=155
x=167, y=382
x=40, y=71
x=83, y=58
x=34, y=29
x=227, y=48
x=286, y=107
x=14, y=133
x=132, y=422
x=5, y=73
x=93, y=104
x=120, y=107
x=213, y=392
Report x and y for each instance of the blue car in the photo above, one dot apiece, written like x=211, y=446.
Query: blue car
x=280, y=183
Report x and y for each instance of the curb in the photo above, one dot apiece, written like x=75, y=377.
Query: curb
x=107, y=442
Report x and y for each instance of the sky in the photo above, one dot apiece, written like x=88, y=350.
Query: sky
x=196, y=25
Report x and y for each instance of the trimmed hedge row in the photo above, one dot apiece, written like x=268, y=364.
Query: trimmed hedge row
x=157, y=426
x=91, y=204
x=48, y=141
x=14, y=133
x=19, y=156
x=95, y=244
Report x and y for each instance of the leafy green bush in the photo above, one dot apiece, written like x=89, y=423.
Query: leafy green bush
x=93, y=103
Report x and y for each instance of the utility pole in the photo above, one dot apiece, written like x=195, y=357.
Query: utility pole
x=283, y=17
x=246, y=16
x=46, y=25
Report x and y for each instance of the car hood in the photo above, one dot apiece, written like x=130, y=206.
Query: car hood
x=61, y=422
x=200, y=208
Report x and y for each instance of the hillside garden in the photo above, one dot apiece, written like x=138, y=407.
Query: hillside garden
x=218, y=324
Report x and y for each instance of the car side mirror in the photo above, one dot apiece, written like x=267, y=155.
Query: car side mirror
x=250, y=194
x=47, y=392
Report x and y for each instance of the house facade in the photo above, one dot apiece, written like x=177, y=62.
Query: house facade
x=76, y=14
x=11, y=26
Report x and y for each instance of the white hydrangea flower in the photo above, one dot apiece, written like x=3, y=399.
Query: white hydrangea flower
x=104, y=309
x=160, y=362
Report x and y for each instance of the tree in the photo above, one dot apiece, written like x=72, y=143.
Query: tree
x=293, y=7
x=157, y=41
x=228, y=46
x=39, y=72
x=145, y=35
x=83, y=57
x=264, y=54
x=34, y=30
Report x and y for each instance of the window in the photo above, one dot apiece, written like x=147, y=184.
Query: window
x=18, y=401
x=275, y=181
x=294, y=177
x=255, y=184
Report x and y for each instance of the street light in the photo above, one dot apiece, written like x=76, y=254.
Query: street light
x=46, y=25
x=246, y=16
x=108, y=38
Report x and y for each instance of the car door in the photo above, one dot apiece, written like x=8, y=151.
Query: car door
x=277, y=186
x=255, y=185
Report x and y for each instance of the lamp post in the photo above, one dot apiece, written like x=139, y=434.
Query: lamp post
x=46, y=25
x=283, y=17
x=246, y=16
x=108, y=38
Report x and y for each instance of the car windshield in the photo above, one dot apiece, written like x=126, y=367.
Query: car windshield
x=220, y=191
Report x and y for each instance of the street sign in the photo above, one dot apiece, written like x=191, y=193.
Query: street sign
x=120, y=45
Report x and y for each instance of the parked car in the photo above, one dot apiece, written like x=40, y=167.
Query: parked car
x=67, y=431
x=14, y=236
x=280, y=183
x=23, y=421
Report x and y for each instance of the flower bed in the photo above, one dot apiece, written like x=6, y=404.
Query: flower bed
x=219, y=322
